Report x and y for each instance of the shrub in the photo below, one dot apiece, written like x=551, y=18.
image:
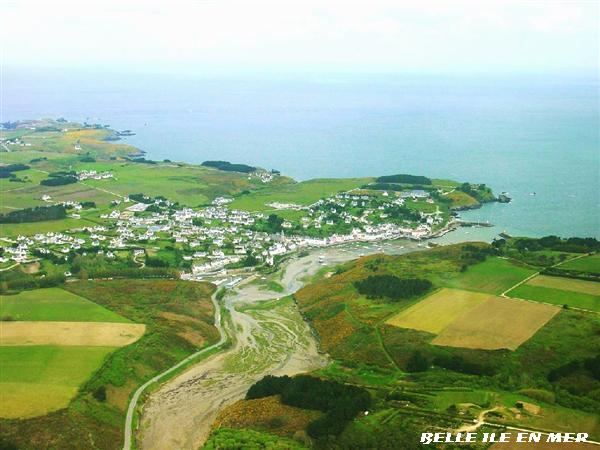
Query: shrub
x=100, y=393
x=404, y=178
x=377, y=286
x=340, y=402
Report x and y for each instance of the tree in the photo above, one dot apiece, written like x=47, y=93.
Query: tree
x=417, y=362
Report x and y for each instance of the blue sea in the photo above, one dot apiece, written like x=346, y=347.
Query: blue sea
x=536, y=137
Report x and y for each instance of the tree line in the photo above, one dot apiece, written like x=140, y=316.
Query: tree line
x=7, y=171
x=391, y=287
x=229, y=167
x=340, y=403
x=35, y=214
x=404, y=178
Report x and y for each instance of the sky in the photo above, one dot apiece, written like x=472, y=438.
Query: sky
x=370, y=36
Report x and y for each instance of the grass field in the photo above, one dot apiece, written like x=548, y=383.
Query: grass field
x=498, y=323
x=493, y=276
x=35, y=380
x=303, y=193
x=186, y=184
x=438, y=310
x=12, y=230
x=53, y=343
x=566, y=284
x=54, y=304
x=97, y=334
x=557, y=297
x=461, y=199
x=587, y=264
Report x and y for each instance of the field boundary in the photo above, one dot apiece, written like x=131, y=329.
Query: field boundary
x=128, y=437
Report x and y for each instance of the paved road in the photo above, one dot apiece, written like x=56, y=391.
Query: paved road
x=136, y=396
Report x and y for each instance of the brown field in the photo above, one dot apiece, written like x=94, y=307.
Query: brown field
x=438, y=310
x=498, y=323
x=566, y=284
x=94, y=334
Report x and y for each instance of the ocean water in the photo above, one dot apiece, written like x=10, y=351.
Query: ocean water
x=534, y=137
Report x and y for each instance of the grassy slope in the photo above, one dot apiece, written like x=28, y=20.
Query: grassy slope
x=303, y=193
x=493, y=276
x=587, y=264
x=557, y=297
x=54, y=304
x=179, y=318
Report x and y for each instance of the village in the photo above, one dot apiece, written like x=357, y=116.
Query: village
x=216, y=241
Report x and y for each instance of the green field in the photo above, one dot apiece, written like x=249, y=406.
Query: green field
x=303, y=193
x=12, y=230
x=586, y=264
x=186, y=184
x=493, y=276
x=35, y=380
x=54, y=304
x=557, y=297
x=566, y=284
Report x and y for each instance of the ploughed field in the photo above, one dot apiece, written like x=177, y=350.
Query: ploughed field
x=475, y=320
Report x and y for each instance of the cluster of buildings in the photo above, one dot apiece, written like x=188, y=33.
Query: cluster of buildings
x=93, y=175
x=217, y=239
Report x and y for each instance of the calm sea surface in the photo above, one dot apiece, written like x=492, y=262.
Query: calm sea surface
x=535, y=137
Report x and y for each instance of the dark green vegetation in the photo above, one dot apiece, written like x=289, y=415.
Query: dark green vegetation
x=230, y=439
x=36, y=214
x=7, y=170
x=58, y=180
x=229, y=167
x=404, y=178
x=16, y=280
x=479, y=192
x=551, y=250
x=340, y=402
x=97, y=266
x=179, y=320
x=391, y=287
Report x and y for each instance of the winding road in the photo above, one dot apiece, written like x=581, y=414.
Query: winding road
x=136, y=396
x=274, y=340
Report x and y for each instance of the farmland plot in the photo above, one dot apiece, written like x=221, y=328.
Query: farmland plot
x=498, y=323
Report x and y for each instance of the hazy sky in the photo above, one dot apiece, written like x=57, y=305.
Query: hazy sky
x=309, y=36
